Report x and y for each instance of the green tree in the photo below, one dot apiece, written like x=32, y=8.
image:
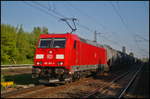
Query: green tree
x=23, y=45
x=18, y=46
x=8, y=43
x=35, y=34
x=45, y=30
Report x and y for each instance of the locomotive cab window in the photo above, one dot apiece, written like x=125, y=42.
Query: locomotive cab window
x=59, y=43
x=45, y=43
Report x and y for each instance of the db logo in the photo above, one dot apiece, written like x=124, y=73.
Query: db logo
x=49, y=56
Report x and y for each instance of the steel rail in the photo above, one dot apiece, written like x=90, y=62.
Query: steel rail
x=106, y=85
x=109, y=84
x=22, y=91
x=15, y=65
x=130, y=83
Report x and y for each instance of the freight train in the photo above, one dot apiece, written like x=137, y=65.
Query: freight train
x=65, y=57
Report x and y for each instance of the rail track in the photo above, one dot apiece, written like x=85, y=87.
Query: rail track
x=104, y=92
x=22, y=91
x=130, y=83
x=16, y=66
x=53, y=91
x=26, y=92
x=32, y=92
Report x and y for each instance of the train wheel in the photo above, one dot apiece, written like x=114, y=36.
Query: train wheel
x=69, y=81
x=73, y=77
x=76, y=76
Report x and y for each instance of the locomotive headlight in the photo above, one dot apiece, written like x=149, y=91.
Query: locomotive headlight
x=39, y=56
x=50, y=52
x=45, y=63
x=59, y=56
x=38, y=63
x=60, y=63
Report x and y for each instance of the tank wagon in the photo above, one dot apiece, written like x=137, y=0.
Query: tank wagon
x=61, y=57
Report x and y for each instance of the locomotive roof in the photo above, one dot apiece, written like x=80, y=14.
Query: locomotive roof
x=90, y=42
x=96, y=44
x=82, y=39
x=99, y=45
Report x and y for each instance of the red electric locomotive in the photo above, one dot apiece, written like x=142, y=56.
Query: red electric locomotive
x=61, y=57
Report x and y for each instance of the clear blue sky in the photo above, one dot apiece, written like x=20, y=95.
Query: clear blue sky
x=118, y=22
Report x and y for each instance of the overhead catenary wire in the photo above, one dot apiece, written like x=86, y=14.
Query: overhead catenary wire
x=144, y=39
x=87, y=15
x=141, y=49
x=102, y=26
x=90, y=17
x=124, y=23
x=126, y=26
x=112, y=41
x=121, y=18
x=60, y=15
x=47, y=8
x=57, y=15
x=51, y=6
x=42, y=10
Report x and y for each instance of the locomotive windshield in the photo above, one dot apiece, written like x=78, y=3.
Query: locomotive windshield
x=52, y=43
x=59, y=43
x=45, y=43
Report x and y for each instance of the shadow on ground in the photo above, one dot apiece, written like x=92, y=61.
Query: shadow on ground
x=22, y=79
